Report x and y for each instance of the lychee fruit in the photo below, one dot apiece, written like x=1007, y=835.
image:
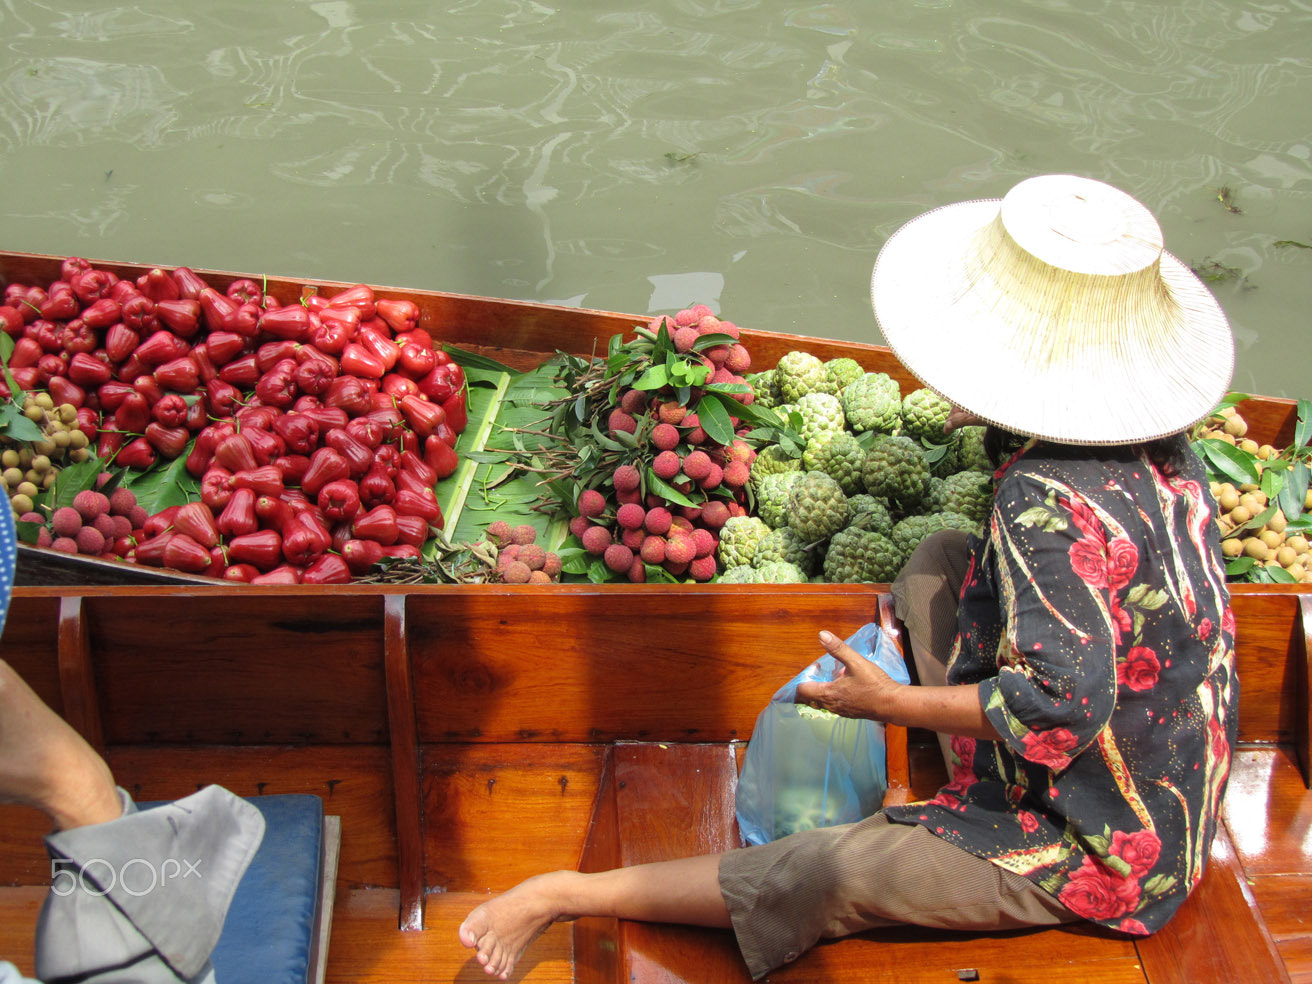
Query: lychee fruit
x=633, y=402
x=121, y=501
x=516, y=572
x=91, y=504
x=552, y=565
x=697, y=465
x=665, y=437
x=533, y=555
x=702, y=568
x=578, y=525
x=498, y=533
x=704, y=542
x=739, y=360
x=620, y=421
x=637, y=573
x=665, y=465
x=538, y=577
x=66, y=522
x=591, y=504
x=657, y=521
x=90, y=540
x=671, y=412
x=685, y=338
x=596, y=539
x=630, y=516
x=713, y=478
x=64, y=544
x=523, y=534
x=715, y=514
x=633, y=538
x=653, y=549
x=626, y=478
x=618, y=558
x=680, y=549
x=686, y=318
x=736, y=474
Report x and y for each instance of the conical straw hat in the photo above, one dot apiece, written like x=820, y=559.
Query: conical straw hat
x=1054, y=312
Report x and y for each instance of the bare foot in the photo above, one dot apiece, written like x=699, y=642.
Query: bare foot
x=46, y=764
x=501, y=929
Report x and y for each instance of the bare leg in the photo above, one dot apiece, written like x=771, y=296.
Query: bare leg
x=46, y=764
x=683, y=891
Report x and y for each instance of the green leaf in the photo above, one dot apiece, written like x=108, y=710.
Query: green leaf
x=6, y=350
x=72, y=480
x=763, y=417
x=472, y=360
x=1281, y=576
x=653, y=379
x=28, y=532
x=1294, y=492
x=1239, y=566
x=167, y=484
x=1303, y=431
x=14, y=423
x=714, y=419
x=1236, y=465
x=712, y=339
x=1272, y=482
x=1301, y=525
x=665, y=490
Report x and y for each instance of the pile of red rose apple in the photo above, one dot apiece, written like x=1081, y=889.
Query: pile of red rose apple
x=316, y=430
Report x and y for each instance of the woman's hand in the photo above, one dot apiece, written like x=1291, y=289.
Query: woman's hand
x=960, y=418
x=860, y=690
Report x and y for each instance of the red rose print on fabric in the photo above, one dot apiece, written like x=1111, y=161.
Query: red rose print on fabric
x=1132, y=926
x=1122, y=562
x=1050, y=748
x=1139, y=670
x=1139, y=850
x=1095, y=892
x=1228, y=621
x=1089, y=562
x=1028, y=821
x=1204, y=628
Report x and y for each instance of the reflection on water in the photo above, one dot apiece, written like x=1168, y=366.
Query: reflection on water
x=748, y=154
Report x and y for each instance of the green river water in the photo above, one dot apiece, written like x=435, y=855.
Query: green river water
x=747, y=154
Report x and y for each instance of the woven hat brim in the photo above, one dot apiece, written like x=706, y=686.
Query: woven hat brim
x=956, y=338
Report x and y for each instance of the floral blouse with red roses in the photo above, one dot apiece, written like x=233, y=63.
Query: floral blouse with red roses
x=1096, y=623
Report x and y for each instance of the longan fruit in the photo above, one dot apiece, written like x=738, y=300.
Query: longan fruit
x=9, y=459
x=1266, y=452
x=1286, y=556
x=1228, y=497
x=34, y=413
x=77, y=440
x=44, y=401
x=1248, y=445
x=46, y=447
x=1255, y=548
x=21, y=504
x=1271, y=538
x=1298, y=543
x=1232, y=547
x=1277, y=521
x=41, y=464
x=67, y=413
x=26, y=488
x=1240, y=515
x=13, y=476
x=79, y=455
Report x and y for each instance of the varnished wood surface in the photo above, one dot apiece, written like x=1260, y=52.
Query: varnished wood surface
x=496, y=814
x=403, y=741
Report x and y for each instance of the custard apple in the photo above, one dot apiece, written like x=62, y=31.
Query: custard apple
x=799, y=373
x=738, y=539
x=772, y=496
x=857, y=555
x=822, y=417
x=969, y=493
x=873, y=403
x=817, y=507
x=895, y=469
x=841, y=457
x=784, y=544
x=843, y=371
x=924, y=414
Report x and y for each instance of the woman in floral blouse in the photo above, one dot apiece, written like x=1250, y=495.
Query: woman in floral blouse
x=1078, y=652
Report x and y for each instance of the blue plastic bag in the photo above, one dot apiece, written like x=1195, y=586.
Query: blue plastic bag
x=809, y=768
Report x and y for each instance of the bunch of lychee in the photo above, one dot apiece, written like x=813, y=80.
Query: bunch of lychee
x=631, y=526
x=95, y=524
x=520, y=558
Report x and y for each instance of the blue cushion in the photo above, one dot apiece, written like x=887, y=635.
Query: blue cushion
x=269, y=933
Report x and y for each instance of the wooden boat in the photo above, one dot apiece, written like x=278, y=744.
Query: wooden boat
x=471, y=735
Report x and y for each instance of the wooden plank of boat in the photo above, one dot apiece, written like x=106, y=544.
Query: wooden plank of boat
x=520, y=334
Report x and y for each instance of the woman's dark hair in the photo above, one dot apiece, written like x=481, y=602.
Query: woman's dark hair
x=1166, y=453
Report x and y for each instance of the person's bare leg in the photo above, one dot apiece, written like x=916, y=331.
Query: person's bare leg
x=46, y=764
x=683, y=891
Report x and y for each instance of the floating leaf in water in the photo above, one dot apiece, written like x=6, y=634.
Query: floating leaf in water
x=1227, y=199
